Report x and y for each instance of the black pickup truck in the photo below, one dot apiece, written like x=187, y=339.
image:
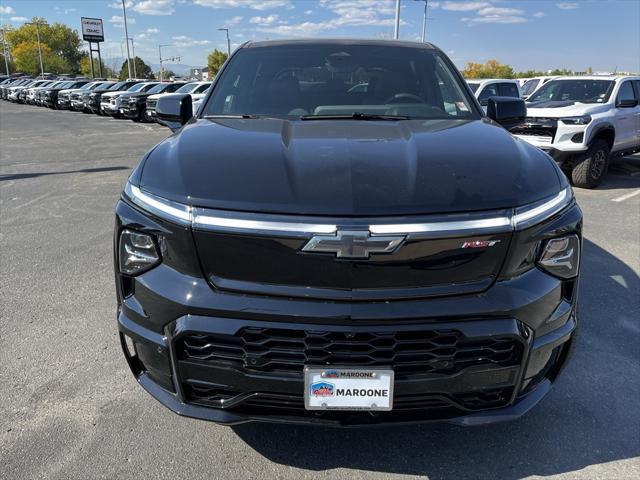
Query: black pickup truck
x=341, y=236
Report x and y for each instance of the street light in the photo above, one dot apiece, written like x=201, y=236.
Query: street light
x=228, y=42
x=396, y=30
x=6, y=53
x=424, y=20
x=160, y=54
x=133, y=50
x=37, y=23
x=126, y=35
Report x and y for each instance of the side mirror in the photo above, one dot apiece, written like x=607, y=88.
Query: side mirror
x=626, y=103
x=173, y=111
x=507, y=111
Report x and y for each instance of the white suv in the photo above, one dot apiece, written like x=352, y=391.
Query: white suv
x=494, y=87
x=532, y=84
x=582, y=121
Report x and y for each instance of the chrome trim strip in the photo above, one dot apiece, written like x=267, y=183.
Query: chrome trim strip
x=159, y=206
x=463, y=225
x=256, y=225
x=198, y=218
x=544, y=211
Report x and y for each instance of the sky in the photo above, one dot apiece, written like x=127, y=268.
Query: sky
x=533, y=34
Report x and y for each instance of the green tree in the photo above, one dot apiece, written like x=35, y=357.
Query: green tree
x=85, y=68
x=60, y=48
x=142, y=70
x=166, y=74
x=490, y=69
x=215, y=61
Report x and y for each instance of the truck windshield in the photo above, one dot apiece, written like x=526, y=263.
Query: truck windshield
x=336, y=80
x=582, y=91
x=473, y=86
x=529, y=86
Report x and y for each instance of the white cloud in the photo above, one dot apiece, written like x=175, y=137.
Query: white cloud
x=308, y=12
x=233, y=21
x=348, y=13
x=118, y=22
x=485, y=12
x=67, y=11
x=19, y=19
x=152, y=30
x=252, y=4
x=6, y=10
x=154, y=7
x=462, y=6
x=539, y=14
x=184, y=41
x=118, y=5
x=567, y=5
x=264, y=21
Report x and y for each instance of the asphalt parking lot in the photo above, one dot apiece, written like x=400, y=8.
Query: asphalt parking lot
x=70, y=409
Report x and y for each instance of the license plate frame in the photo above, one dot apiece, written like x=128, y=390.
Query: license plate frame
x=356, y=378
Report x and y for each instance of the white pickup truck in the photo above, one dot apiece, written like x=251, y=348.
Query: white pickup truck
x=582, y=121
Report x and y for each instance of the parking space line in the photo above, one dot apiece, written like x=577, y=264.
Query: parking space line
x=626, y=196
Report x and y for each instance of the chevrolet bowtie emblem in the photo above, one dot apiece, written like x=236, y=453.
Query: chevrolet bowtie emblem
x=353, y=244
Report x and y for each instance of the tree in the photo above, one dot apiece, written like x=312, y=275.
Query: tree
x=215, y=61
x=60, y=47
x=491, y=69
x=85, y=68
x=142, y=70
x=166, y=74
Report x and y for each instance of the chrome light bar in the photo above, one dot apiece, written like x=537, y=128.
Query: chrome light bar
x=531, y=214
x=204, y=219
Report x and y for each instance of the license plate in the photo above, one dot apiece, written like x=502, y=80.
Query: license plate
x=335, y=388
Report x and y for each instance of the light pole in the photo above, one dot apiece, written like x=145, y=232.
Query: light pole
x=160, y=54
x=396, y=30
x=226, y=30
x=133, y=51
x=126, y=35
x=424, y=21
x=37, y=23
x=6, y=54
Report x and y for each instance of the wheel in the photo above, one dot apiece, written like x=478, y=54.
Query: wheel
x=591, y=167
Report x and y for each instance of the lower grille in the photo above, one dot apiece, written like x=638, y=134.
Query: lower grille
x=537, y=127
x=433, y=352
x=212, y=396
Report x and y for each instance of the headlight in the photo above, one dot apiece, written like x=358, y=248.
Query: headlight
x=582, y=120
x=137, y=252
x=561, y=256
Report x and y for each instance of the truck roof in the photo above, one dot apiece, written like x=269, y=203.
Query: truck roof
x=338, y=41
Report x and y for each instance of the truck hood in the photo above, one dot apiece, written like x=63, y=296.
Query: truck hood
x=112, y=94
x=348, y=167
x=557, y=109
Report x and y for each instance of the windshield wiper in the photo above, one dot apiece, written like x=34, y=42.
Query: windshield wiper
x=355, y=116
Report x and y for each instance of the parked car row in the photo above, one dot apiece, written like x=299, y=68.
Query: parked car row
x=580, y=121
x=132, y=99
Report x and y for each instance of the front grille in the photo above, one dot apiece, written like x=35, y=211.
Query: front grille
x=212, y=396
x=436, y=352
x=538, y=127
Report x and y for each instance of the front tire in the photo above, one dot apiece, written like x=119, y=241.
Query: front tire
x=591, y=167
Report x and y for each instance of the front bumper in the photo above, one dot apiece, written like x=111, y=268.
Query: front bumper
x=254, y=396
x=161, y=309
x=130, y=111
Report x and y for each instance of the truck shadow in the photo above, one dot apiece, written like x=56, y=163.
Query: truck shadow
x=21, y=176
x=591, y=417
